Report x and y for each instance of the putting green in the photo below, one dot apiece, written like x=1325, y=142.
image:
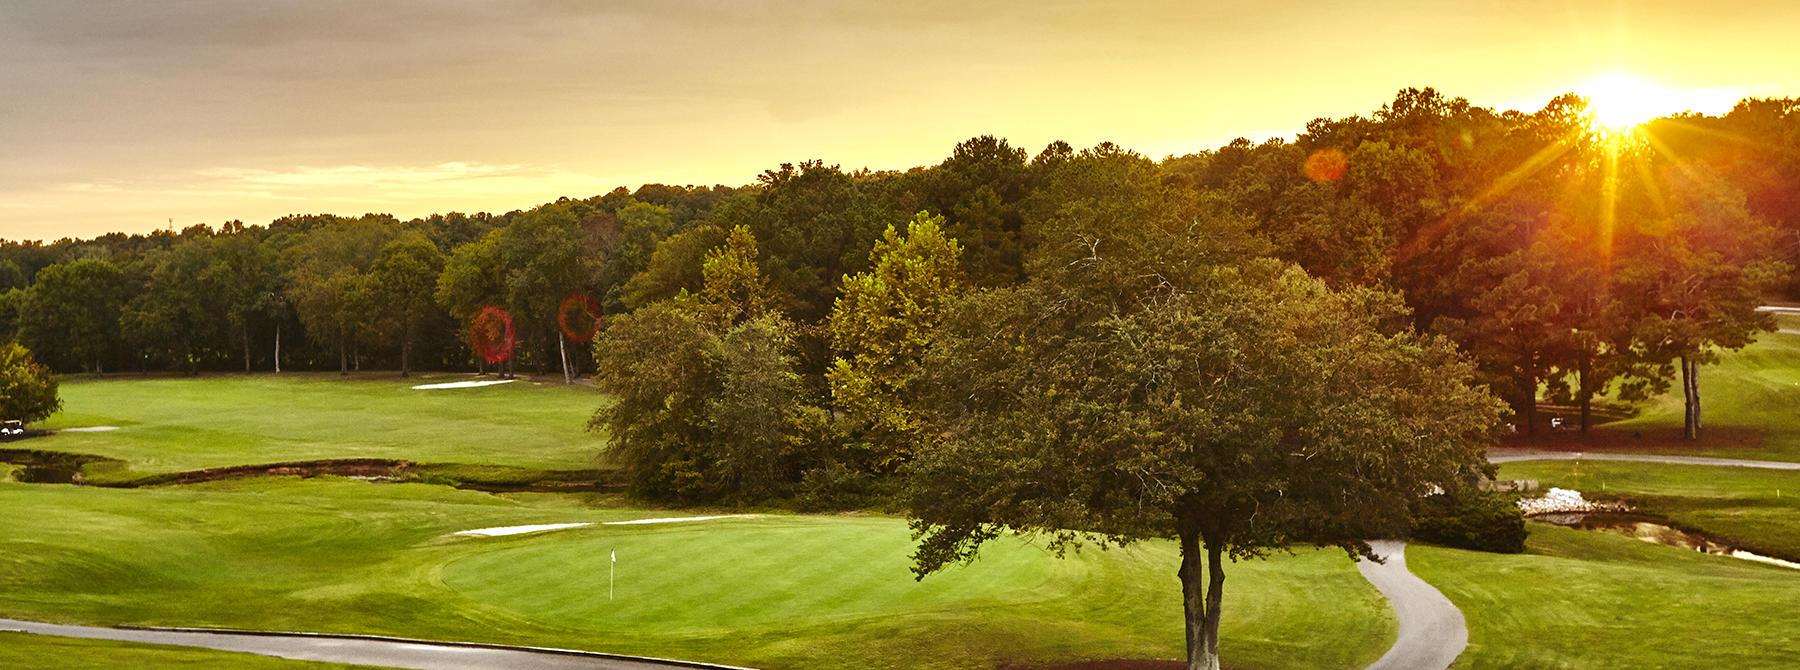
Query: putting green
x=777, y=570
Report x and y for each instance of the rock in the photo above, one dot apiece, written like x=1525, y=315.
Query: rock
x=1563, y=501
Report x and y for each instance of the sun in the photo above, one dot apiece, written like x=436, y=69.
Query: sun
x=1621, y=101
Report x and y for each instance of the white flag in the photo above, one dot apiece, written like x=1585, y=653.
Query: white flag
x=615, y=555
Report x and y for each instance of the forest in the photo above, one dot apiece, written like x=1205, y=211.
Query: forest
x=1567, y=262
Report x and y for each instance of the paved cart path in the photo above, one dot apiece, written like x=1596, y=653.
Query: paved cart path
x=362, y=650
x=1432, y=632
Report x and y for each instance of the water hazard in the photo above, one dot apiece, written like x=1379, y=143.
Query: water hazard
x=1649, y=529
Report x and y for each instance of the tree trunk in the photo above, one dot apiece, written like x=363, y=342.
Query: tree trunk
x=563, y=351
x=405, y=357
x=246, y=348
x=343, y=360
x=1529, y=395
x=1199, y=603
x=278, y=347
x=1690, y=396
x=1587, y=394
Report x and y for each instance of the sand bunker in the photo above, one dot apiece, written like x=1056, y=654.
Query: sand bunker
x=89, y=429
x=463, y=385
x=502, y=531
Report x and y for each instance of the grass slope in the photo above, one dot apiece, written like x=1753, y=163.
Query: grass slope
x=1748, y=400
x=775, y=592
x=178, y=424
x=1582, y=599
x=18, y=650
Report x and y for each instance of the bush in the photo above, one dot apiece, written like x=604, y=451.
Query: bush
x=1478, y=520
x=27, y=389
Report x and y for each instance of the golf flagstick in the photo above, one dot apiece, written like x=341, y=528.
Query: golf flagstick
x=609, y=574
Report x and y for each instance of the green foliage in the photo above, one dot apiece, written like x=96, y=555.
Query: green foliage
x=884, y=322
x=329, y=288
x=815, y=223
x=71, y=312
x=734, y=288
x=674, y=267
x=1476, y=520
x=642, y=228
x=404, y=278
x=1137, y=391
x=703, y=409
x=472, y=278
x=27, y=389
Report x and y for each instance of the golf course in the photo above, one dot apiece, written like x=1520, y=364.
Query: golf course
x=335, y=554
x=774, y=589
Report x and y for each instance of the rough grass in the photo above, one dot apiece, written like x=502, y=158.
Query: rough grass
x=1581, y=599
x=335, y=555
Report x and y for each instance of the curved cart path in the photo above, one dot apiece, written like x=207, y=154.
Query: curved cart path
x=363, y=650
x=1432, y=632
x=1511, y=455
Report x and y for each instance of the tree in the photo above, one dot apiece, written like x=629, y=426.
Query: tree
x=978, y=190
x=1235, y=410
x=472, y=278
x=72, y=311
x=642, y=227
x=27, y=388
x=733, y=284
x=178, y=314
x=674, y=267
x=702, y=409
x=883, y=323
x=543, y=262
x=246, y=275
x=404, y=278
x=815, y=223
x=329, y=289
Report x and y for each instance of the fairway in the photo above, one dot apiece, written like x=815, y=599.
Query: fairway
x=1582, y=599
x=774, y=590
x=170, y=424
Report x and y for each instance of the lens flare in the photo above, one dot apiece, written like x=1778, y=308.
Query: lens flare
x=1327, y=165
x=579, y=317
x=491, y=334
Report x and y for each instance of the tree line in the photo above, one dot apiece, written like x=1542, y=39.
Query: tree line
x=1567, y=263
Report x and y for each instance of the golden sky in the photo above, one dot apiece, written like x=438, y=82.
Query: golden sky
x=125, y=116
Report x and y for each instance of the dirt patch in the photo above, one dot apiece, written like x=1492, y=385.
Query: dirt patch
x=362, y=468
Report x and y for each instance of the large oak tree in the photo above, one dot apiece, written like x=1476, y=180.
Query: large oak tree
x=1139, y=392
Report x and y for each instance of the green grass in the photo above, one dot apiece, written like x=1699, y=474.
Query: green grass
x=1582, y=599
x=179, y=424
x=778, y=591
x=1754, y=509
x=18, y=650
x=1748, y=404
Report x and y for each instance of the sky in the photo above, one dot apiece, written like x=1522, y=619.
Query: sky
x=131, y=116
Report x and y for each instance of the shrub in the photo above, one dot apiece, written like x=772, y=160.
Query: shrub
x=1478, y=520
x=27, y=390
